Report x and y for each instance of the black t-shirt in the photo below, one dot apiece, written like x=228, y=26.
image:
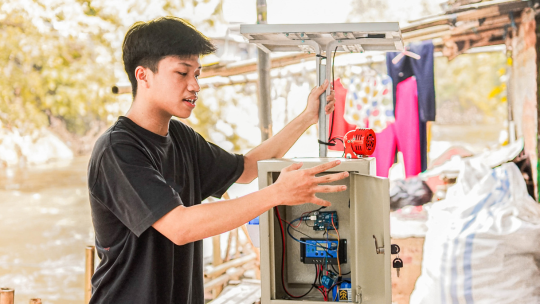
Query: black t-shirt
x=135, y=177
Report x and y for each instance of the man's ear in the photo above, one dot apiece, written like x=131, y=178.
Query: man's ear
x=142, y=74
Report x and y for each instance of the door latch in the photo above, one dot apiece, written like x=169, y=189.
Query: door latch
x=379, y=250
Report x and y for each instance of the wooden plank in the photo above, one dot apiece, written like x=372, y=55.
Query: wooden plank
x=429, y=37
x=439, y=48
x=486, y=12
x=476, y=36
x=426, y=31
x=251, y=66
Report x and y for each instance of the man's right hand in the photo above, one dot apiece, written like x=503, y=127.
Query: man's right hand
x=297, y=186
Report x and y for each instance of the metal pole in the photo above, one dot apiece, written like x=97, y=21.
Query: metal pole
x=7, y=296
x=323, y=119
x=89, y=272
x=263, y=68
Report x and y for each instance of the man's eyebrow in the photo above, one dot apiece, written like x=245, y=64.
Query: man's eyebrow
x=188, y=65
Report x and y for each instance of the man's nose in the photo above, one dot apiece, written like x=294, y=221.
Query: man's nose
x=193, y=85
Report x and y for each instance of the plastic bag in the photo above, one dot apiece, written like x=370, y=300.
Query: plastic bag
x=482, y=243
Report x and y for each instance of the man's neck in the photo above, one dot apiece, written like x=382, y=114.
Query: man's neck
x=145, y=116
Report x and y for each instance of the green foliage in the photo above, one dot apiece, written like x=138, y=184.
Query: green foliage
x=61, y=58
x=52, y=72
x=471, y=89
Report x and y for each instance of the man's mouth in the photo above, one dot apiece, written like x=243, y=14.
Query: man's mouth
x=191, y=101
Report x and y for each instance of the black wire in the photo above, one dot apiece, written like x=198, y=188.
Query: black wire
x=334, y=269
x=333, y=83
x=331, y=141
x=311, y=238
x=278, y=216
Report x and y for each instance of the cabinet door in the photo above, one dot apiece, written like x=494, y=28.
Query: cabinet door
x=370, y=209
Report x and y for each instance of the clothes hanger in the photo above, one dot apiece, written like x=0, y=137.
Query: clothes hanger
x=403, y=54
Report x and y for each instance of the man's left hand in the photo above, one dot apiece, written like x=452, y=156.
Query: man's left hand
x=312, y=108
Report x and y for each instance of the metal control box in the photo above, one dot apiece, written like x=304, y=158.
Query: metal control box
x=364, y=215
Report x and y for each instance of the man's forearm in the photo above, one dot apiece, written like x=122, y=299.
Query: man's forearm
x=201, y=221
x=275, y=147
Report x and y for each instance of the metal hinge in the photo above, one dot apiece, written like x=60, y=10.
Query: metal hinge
x=358, y=294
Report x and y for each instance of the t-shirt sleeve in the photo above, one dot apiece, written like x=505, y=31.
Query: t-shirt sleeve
x=129, y=185
x=219, y=169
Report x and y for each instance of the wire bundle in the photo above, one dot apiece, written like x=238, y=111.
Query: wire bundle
x=319, y=268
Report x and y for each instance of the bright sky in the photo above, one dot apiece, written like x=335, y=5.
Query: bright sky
x=289, y=11
x=323, y=11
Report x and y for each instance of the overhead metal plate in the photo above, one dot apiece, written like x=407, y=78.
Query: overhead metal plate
x=319, y=38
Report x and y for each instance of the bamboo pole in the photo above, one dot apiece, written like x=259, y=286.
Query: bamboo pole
x=89, y=272
x=216, y=244
x=7, y=295
x=237, y=237
x=223, y=279
x=229, y=245
x=35, y=301
x=216, y=271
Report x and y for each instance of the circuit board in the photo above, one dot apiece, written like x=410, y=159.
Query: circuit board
x=324, y=221
x=321, y=251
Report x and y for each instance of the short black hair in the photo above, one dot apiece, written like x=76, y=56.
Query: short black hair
x=146, y=43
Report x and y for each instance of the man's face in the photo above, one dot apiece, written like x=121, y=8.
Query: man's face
x=174, y=87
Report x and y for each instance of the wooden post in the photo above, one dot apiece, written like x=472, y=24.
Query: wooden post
x=7, y=295
x=263, y=68
x=237, y=236
x=229, y=245
x=35, y=301
x=89, y=272
x=216, y=244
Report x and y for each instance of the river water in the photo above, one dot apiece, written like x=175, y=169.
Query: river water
x=45, y=226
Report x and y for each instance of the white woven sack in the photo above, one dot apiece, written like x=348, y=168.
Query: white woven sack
x=483, y=241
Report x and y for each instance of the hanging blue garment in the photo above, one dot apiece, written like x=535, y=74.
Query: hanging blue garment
x=423, y=70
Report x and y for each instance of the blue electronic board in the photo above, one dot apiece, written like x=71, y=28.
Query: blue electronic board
x=322, y=251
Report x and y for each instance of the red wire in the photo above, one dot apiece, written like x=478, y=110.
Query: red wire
x=324, y=296
x=283, y=255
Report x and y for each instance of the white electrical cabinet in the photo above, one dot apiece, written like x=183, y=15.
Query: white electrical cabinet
x=362, y=212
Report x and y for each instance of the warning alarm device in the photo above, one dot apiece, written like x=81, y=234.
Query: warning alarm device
x=359, y=143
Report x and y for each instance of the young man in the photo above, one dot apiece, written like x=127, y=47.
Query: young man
x=148, y=175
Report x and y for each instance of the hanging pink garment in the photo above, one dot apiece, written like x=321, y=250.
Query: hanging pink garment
x=341, y=127
x=404, y=133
